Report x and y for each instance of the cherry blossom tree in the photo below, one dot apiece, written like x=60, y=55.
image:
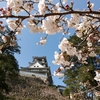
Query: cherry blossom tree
x=46, y=16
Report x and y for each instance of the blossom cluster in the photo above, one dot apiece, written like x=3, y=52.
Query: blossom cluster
x=51, y=26
x=15, y=5
x=15, y=25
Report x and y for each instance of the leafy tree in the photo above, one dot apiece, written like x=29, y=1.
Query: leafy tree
x=80, y=78
x=9, y=67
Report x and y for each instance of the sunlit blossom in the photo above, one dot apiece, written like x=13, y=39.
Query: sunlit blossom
x=50, y=26
x=97, y=77
x=15, y=5
x=42, y=41
x=4, y=38
x=92, y=54
x=42, y=7
x=59, y=74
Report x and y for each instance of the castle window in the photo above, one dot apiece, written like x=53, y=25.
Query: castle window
x=35, y=59
x=44, y=65
x=42, y=59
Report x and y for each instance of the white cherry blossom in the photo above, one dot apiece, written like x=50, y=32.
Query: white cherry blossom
x=58, y=7
x=15, y=25
x=42, y=41
x=97, y=93
x=11, y=24
x=59, y=59
x=65, y=45
x=78, y=33
x=62, y=68
x=28, y=6
x=97, y=77
x=15, y=5
x=89, y=44
x=79, y=55
x=50, y=26
x=92, y=54
x=4, y=38
x=73, y=21
x=59, y=74
x=42, y=7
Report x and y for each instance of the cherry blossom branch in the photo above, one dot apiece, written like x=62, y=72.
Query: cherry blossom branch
x=62, y=5
x=93, y=17
x=52, y=14
x=25, y=10
x=69, y=12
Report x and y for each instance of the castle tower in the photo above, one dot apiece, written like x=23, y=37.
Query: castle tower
x=38, y=68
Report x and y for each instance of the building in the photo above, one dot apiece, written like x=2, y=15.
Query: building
x=38, y=68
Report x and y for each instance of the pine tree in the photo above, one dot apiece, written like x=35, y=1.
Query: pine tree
x=80, y=78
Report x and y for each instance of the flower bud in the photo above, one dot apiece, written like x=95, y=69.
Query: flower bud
x=67, y=7
x=72, y=2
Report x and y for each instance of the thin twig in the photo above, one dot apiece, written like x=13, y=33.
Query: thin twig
x=25, y=10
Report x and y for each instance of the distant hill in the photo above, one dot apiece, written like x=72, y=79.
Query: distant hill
x=32, y=88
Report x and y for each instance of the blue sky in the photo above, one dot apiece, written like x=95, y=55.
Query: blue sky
x=28, y=41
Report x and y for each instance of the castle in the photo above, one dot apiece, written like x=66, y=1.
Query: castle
x=38, y=68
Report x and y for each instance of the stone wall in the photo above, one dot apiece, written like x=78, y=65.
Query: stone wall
x=32, y=88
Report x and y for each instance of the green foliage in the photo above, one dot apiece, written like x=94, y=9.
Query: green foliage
x=5, y=47
x=66, y=92
x=76, y=41
x=79, y=79
x=81, y=76
x=9, y=67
